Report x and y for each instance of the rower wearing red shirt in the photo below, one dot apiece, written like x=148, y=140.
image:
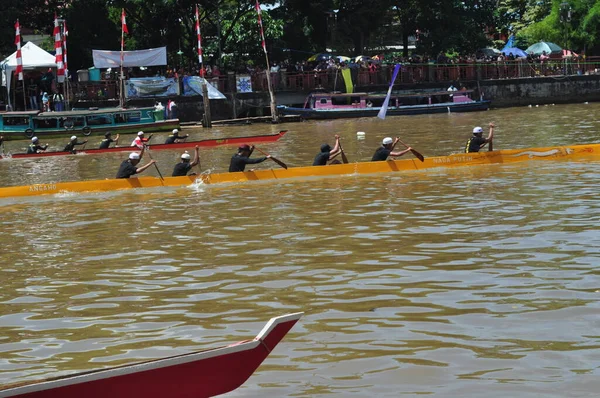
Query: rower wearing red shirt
x=140, y=140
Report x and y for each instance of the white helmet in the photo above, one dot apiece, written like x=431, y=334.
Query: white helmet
x=185, y=156
x=134, y=156
x=175, y=131
x=387, y=140
x=477, y=130
x=140, y=133
x=34, y=139
x=73, y=138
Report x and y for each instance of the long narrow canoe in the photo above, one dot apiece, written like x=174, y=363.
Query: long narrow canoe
x=573, y=152
x=179, y=145
x=198, y=374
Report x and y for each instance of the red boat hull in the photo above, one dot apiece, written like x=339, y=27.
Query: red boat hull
x=158, y=147
x=200, y=374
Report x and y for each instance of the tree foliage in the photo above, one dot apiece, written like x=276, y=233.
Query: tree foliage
x=298, y=28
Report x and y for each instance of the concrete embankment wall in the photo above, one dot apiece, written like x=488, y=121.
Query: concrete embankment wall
x=541, y=90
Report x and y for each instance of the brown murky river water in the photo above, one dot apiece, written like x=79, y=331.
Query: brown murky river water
x=467, y=282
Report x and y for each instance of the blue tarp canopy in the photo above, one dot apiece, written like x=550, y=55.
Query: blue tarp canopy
x=517, y=52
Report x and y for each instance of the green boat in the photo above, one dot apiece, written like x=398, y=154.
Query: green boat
x=26, y=124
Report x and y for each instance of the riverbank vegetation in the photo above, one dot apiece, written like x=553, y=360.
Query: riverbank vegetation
x=296, y=29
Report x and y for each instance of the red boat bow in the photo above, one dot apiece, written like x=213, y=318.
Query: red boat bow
x=199, y=374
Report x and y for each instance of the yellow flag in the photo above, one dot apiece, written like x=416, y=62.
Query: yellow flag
x=347, y=79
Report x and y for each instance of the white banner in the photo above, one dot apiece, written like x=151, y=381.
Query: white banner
x=112, y=59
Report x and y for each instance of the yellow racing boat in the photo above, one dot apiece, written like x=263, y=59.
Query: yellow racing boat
x=573, y=152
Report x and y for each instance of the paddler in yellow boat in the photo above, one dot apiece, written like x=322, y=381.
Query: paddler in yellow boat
x=327, y=154
x=477, y=142
x=386, y=149
x=183, y=167
x=129, y=167
x=242, y=158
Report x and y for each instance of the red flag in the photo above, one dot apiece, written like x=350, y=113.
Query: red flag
x=123, y=23
x=19, y=69
x=60, y=68
x=262, y=33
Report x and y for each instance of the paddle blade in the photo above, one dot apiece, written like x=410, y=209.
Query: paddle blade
x=344, y=158
x=279, y=162
x=418, y=155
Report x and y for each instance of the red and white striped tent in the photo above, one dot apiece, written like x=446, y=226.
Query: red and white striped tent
x=33, y=58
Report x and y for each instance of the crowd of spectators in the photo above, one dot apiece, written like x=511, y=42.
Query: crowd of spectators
x=376, y=70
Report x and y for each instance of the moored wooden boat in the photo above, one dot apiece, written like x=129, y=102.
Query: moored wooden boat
x=573, y=152
x=198, y=374
x=179, y=145
x=334, y=106
x=26, y=124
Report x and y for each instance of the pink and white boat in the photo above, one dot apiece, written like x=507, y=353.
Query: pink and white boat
x=198, y=374
x=335, y=106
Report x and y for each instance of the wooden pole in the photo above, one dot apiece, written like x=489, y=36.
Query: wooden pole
x=207, y=122
x=233, y=105
x=24, y=95
x=274, y=115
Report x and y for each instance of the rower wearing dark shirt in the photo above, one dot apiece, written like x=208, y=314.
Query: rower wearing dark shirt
x=183, y=167
x=105, y=143
x=327, y=153
x=70, y=147
x=129, y=167
x=477, y=142
x=175, y=137
x=242, y=158
x=35, y=146
x=386, y=149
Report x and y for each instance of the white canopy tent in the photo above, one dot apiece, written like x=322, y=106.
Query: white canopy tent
x=32, y=56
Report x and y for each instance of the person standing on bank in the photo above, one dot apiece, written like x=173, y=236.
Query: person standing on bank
x=58, y=101
x=242, y=158
x=477, y=142
x=35, y=146
x=327, y=154
x=386, y=149
x=45, y=102
x=171, y=110
x=129, y=167
x=183, y=167
x=175, y=137
x=105, y=143
x=70, y=147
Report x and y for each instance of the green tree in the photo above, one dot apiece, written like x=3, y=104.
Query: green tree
x=574, y=24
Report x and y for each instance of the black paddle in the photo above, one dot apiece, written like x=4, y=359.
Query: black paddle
x=344, y=158
x=414, y=151
x=279, y=162
x=155, y=165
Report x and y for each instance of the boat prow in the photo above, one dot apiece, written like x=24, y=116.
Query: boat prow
x=199, y=374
